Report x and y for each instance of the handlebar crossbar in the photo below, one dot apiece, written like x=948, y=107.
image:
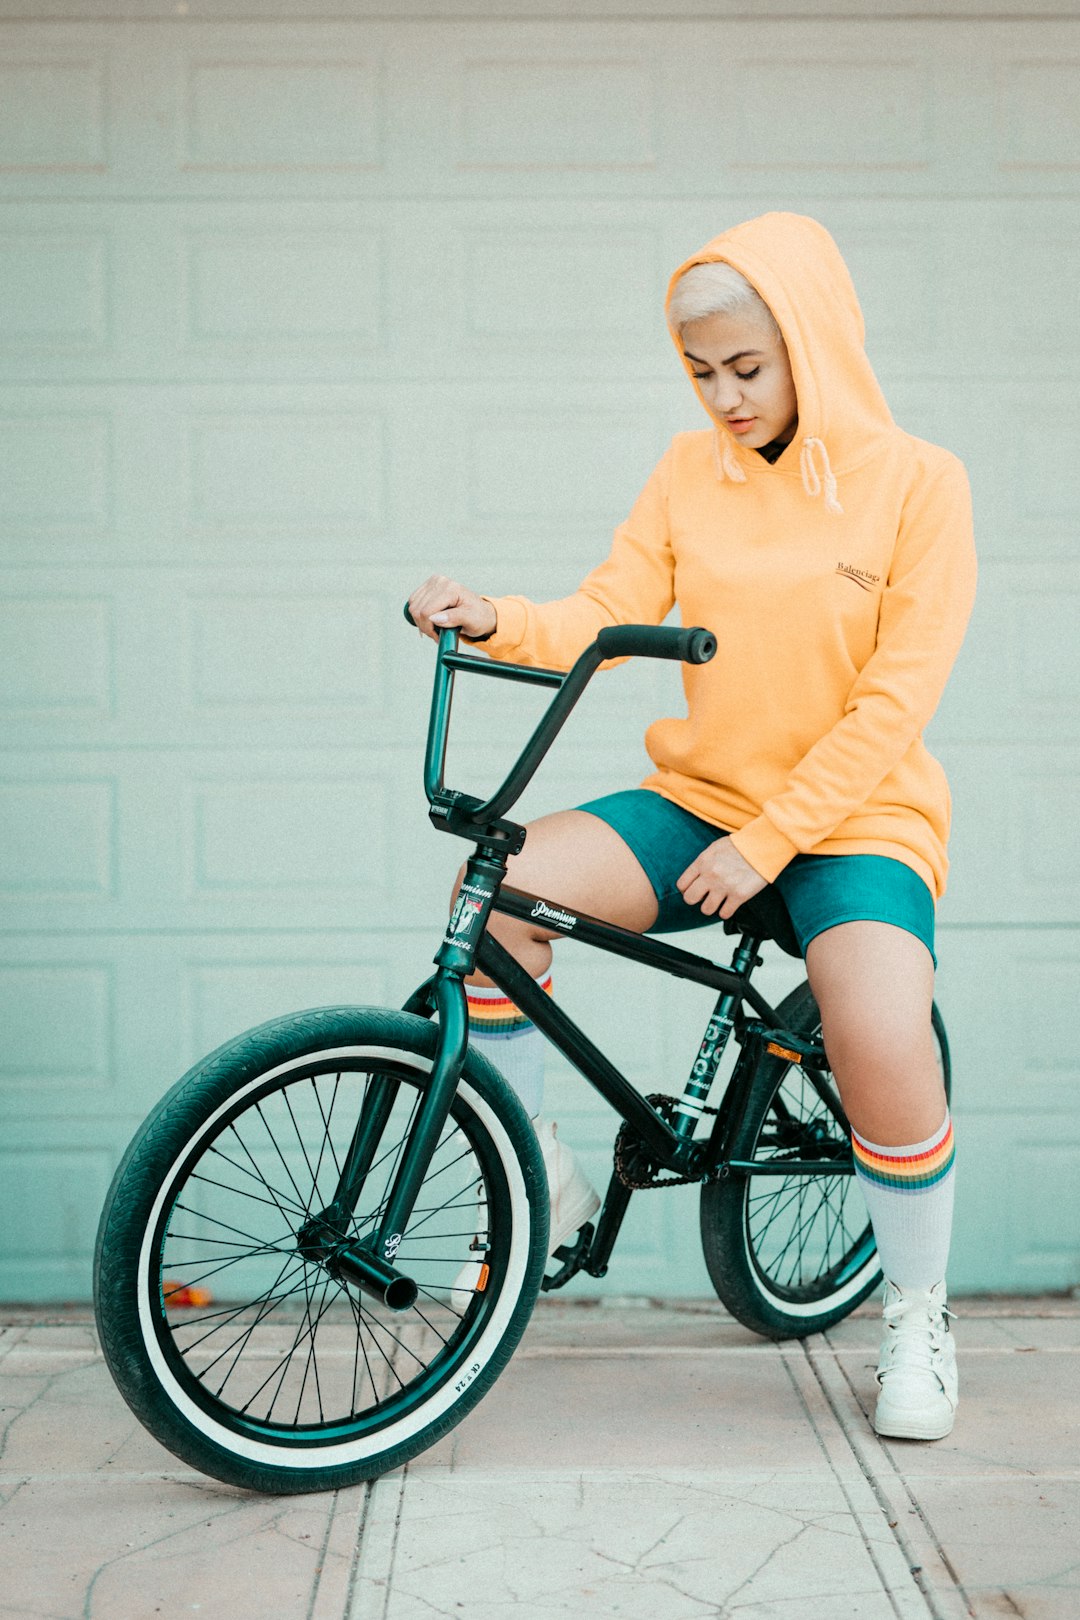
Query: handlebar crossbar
x=461, y=812
x=507, y=672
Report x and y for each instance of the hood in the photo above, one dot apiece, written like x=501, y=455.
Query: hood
x=795, y=265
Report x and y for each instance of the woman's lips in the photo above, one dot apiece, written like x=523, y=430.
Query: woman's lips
x=740, y=424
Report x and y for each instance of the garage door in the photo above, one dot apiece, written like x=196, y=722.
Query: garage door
x=296, y=311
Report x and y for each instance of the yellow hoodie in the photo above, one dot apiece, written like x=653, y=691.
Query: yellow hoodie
x=838, y=581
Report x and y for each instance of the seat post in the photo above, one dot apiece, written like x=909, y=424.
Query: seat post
x=746, y=957
x=691, y=1105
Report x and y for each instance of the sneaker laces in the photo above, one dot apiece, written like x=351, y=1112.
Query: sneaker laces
x=914, y=1337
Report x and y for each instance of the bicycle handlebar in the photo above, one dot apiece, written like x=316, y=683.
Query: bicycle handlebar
x=692, y=646
x=695, y=646
x=656, y=641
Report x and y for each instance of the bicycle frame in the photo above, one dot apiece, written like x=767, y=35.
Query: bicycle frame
x=467, y=946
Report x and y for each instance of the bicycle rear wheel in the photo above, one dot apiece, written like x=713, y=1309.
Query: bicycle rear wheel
x=791, y=1254
x=278, y=1376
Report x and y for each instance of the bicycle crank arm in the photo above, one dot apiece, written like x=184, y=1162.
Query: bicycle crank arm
x=608, y=1224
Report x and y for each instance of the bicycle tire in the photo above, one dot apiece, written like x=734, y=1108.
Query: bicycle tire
x=322, y=1387
x=792, y=1255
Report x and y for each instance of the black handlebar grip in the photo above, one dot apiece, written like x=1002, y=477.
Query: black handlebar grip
x=700, y=646
x=694, y=646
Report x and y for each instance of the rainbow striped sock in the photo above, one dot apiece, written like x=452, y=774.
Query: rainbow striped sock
x=509, y=1041
x=909, y=1198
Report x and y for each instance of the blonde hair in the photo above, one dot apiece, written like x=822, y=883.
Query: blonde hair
x=717, y=289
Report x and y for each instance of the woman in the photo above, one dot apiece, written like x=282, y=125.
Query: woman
x=832, y=555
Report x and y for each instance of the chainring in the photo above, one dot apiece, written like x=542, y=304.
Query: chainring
x=634, y=1166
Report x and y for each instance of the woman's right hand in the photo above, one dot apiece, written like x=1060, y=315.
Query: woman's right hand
x=441, y=603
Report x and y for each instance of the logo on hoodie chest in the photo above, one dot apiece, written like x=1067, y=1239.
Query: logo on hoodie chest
x=859, y=576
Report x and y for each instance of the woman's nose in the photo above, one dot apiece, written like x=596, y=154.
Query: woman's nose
x=727, y=395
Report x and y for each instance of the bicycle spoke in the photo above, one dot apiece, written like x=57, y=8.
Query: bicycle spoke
x=215, y=1221
x=300, y=1140
x=274, y=1143
x=327, y=1140
x=275, y=1197
x=260, y=1177
x=311, y=1365
x=239, y=1310
x=240, y=1192
x=192, y=1237
x=204, y=1277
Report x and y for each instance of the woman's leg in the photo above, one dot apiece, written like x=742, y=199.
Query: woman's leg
x=874, y=985
x=576, y=861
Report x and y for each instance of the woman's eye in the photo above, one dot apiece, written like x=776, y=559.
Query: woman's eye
x=701, y=375
x=745, y=376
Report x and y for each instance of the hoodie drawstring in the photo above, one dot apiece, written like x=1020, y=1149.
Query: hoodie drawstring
x=727, y=465
x=725, y=460
x=812, y=480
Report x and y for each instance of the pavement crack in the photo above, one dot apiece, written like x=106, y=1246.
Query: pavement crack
x=773, y=1552
x=324, y=1553
x=142, y=1548
x=357, y=1549
x=49, y=1380
x=660, y=1540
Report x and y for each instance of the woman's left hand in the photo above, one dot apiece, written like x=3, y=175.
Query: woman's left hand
x=720, y=880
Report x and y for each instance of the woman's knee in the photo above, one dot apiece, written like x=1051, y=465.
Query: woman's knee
x=861, y=1039
x=874, y=986
x=576, y=861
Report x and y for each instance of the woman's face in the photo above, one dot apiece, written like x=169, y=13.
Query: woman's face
x=745, y=377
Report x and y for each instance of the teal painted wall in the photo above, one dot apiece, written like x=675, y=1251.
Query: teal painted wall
x=294, y=311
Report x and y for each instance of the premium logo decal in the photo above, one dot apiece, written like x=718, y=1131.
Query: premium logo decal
x=864, y=580
x=561, y=919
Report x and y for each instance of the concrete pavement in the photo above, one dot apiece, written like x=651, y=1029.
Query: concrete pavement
x=639, y=1460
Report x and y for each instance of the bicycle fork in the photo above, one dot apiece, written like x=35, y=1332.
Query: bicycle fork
x=370, y=1265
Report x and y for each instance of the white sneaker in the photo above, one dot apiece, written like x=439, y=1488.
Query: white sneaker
x=572, y=1196
x=917, y=1367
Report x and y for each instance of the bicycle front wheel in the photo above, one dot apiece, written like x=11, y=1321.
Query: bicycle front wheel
x=791, y=1253
x=276, y=1375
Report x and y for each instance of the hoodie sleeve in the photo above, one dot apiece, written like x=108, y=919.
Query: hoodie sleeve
x=634, y=585
x=924, y=612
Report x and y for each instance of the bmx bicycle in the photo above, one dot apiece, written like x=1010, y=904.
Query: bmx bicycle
x=325, y=1180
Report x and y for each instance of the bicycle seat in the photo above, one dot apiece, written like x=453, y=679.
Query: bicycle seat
x=766, y=916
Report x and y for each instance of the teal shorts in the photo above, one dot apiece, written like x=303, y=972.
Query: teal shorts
x=818, y=891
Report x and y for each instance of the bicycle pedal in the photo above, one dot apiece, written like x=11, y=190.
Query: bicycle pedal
x=573, y=1257
x=782, y=1043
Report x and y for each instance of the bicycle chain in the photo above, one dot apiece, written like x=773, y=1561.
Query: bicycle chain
x=632, y=1166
